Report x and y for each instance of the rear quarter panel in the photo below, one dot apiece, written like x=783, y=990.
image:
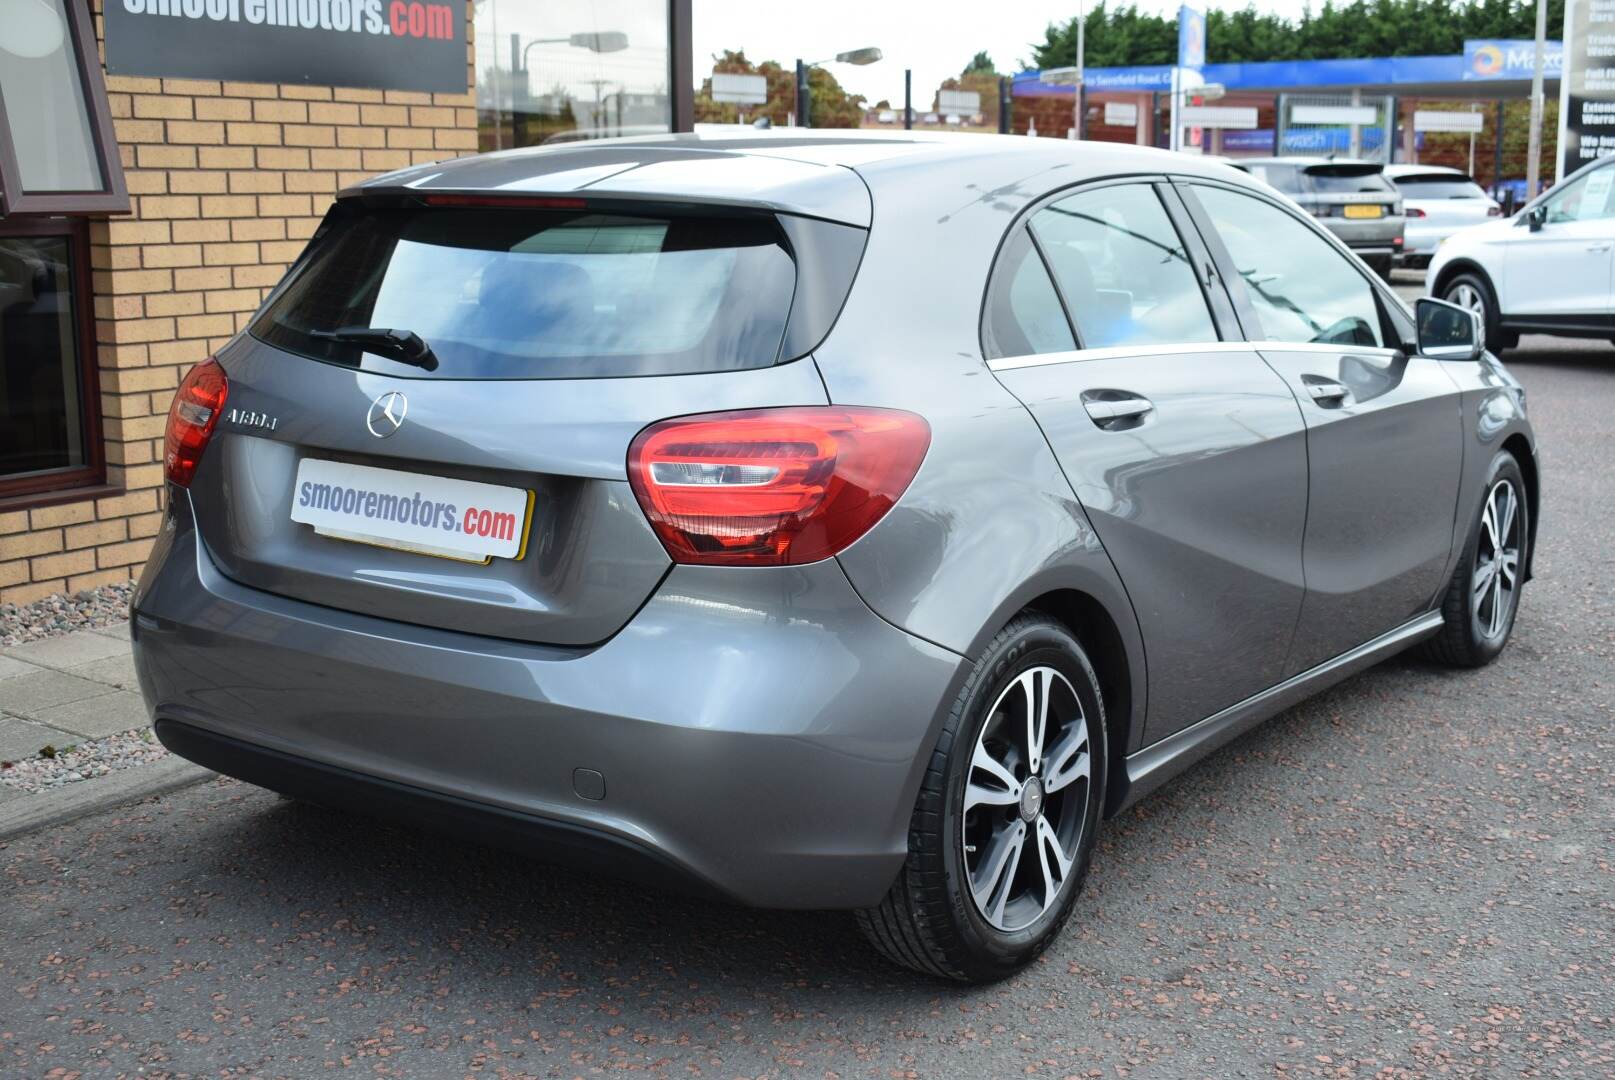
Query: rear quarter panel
x=990, y=522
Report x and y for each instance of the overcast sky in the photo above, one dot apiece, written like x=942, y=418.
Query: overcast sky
x=936, y=38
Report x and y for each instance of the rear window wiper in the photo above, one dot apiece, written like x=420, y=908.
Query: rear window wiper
x=405, y=346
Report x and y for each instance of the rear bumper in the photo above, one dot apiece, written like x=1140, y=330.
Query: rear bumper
x=760, y=733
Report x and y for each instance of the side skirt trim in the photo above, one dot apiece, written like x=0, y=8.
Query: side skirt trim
x=1154, y=765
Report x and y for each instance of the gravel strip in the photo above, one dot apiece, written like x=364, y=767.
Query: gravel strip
x=83, y=761
x=59, y=614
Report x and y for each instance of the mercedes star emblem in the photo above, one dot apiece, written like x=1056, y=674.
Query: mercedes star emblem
x=387, y=414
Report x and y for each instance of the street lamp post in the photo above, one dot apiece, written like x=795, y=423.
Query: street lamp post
x=804, y=92
x=1080, y=118
x=603, y=41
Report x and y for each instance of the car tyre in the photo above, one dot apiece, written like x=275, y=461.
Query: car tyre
x=1479, y=607
x=931, y=919
x=1474, y=292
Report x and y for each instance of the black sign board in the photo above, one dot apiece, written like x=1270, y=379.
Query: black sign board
x=1587, y=95
x=389, y=44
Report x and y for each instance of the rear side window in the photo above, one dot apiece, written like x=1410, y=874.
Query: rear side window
x=517, y=293
x=1284, y=177
x=1123, y=269
x=1024, y=316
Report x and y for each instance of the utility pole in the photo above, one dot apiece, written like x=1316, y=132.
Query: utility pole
x=1533, y=171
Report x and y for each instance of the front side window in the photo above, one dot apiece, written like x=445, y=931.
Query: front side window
x=43, y=438
x=1122, y=268
x=1302, y=288
x=1589, y=198
x=505, y=293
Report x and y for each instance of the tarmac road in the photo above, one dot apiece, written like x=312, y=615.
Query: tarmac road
x=1411, y=875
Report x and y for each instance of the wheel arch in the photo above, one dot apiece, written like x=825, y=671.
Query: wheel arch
x=1465, y=266
x=1101, y=638
x=1520, y=447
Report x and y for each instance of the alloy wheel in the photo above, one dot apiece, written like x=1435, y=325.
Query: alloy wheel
x=1468, y=297
x=1026, y=799
x=1494, y=585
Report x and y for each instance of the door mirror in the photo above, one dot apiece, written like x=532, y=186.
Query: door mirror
x=1449, y=332
x=1536, y=217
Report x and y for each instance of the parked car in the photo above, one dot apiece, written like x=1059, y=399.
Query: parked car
x=1352, y=199
x=1437, y=202
x=1550, y=269
x=793, y=521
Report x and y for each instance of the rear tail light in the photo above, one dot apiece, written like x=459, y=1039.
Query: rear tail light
x=773, y=487
x=192, y=418
x=1414, y=211
x=1494, y=211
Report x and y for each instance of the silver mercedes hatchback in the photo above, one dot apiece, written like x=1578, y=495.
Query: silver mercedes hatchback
x=816, y=520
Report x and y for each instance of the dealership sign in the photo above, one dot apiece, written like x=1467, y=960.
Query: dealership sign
x=1488, y=60
x=1587, y=91
x=388, y=44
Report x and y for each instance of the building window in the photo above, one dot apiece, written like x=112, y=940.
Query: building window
x=578, y=69
x=57, y=152
x=49, y=430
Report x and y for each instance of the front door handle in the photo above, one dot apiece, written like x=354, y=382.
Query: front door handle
x=1598, y=247
x=1327, y=392
x=1116, y=410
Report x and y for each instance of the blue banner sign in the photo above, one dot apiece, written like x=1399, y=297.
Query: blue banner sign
x=1488, y=59
x=1191, y=38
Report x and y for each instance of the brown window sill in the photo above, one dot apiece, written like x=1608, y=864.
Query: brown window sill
x=57, y=497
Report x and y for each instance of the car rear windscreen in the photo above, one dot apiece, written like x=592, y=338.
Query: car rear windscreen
x=1346, y=180
x=508, y=293
x=1439, y=186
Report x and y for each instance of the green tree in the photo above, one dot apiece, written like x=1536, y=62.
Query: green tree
x=981, y=62
x=1122, y=36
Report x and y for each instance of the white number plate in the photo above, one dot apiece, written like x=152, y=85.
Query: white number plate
x=431, y=515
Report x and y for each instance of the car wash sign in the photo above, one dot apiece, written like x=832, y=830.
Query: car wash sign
x=1587, y=91
x=388, y=44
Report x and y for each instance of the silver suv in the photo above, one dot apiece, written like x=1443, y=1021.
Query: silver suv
x=1352, y=199
x=816, y=521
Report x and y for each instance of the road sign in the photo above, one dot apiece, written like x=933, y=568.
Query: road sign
x=958, y=102
x=739, y=89
x=1121, y=114
x=1436, y=120
x=1218, y=116
x=1334, y=114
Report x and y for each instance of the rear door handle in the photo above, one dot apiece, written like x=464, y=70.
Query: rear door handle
x=1598, y=247
x=1327, y=392
x=1113, y=410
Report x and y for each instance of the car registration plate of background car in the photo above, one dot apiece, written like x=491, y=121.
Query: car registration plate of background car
x=1365, y=210
x=418, y=512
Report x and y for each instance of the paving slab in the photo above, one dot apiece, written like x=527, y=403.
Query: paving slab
x=10, y=668
x=68, y=650
x=30, y=694
x=118, y=671
x=98, y=716
x=118, y=630
x=23, y=738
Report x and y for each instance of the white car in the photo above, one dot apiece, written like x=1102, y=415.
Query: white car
x=1550, y=269
x=1437, y=202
